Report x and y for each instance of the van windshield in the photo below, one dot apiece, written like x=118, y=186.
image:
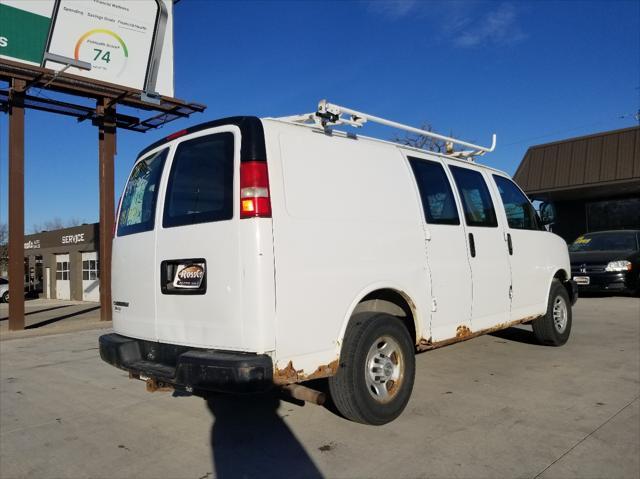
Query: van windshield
x=138, y=207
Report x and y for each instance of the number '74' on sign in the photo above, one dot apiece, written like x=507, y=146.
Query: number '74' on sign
x=106, y=56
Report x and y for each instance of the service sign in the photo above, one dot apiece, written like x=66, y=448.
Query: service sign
x=128, y=43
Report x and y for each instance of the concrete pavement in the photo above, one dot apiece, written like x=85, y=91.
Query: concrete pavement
x=495, y=406
x=52, y=316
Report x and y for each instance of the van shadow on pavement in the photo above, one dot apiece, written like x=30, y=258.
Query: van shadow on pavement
x=249, y=439
x=518, y=335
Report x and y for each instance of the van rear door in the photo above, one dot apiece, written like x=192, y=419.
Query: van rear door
x=197, y=243
x=134, y=273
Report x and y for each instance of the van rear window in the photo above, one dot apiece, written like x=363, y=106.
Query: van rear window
x=138, y=207
x=200, y=187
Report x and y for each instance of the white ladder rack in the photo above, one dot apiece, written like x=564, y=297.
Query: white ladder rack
x=329, y=114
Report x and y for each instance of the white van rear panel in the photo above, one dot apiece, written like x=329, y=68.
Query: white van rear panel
x=134, y=276
x=212, y=319
x=236, y=311
x=133, y=286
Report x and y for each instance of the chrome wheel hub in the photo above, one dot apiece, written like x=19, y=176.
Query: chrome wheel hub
x=560, y=314
x=384, y=369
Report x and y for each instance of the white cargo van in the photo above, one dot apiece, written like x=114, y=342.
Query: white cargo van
x=251, y=253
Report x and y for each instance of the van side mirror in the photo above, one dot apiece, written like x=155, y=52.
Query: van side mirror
x=547, y=213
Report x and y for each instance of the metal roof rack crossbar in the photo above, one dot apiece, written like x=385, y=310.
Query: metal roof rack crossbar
x=329, y=114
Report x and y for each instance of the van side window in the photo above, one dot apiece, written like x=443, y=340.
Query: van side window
x=200, y=187
x=478, y=207
x=438, y=202
x=520, y=212
x=138, y=205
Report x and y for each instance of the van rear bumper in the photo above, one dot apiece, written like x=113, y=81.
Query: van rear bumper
x=186, y=367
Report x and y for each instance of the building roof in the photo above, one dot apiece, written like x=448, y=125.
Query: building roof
x=606, y=163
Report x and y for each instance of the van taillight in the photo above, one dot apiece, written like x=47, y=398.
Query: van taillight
x=254, y=190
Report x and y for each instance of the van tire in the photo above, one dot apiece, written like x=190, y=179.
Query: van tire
x=554, y=328
x=368, y=338
x=5, y=297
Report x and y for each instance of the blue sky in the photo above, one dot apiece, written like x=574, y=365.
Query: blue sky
x=532, y=72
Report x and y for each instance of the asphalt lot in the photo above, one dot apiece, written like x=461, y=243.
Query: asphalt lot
x=495, y=406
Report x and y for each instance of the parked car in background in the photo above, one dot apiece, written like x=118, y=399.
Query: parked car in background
x=4, y=290
x=607, y=261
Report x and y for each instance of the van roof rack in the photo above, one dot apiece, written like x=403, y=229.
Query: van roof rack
x=330, y=114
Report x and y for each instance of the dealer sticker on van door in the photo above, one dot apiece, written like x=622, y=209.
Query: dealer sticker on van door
x=189, y=276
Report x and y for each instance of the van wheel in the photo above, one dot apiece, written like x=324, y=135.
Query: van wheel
x=554, y=327
x=377, y=369
x=5, y=297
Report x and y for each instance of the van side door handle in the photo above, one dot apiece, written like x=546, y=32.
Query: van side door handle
x=509, y=244
x=472, y=245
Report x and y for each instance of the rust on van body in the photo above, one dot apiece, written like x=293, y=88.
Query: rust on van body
x=463, y=333
x=287, y=375
x=290, y=374
x=154, y=385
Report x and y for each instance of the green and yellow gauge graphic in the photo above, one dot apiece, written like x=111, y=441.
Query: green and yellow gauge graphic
x=104, y=49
